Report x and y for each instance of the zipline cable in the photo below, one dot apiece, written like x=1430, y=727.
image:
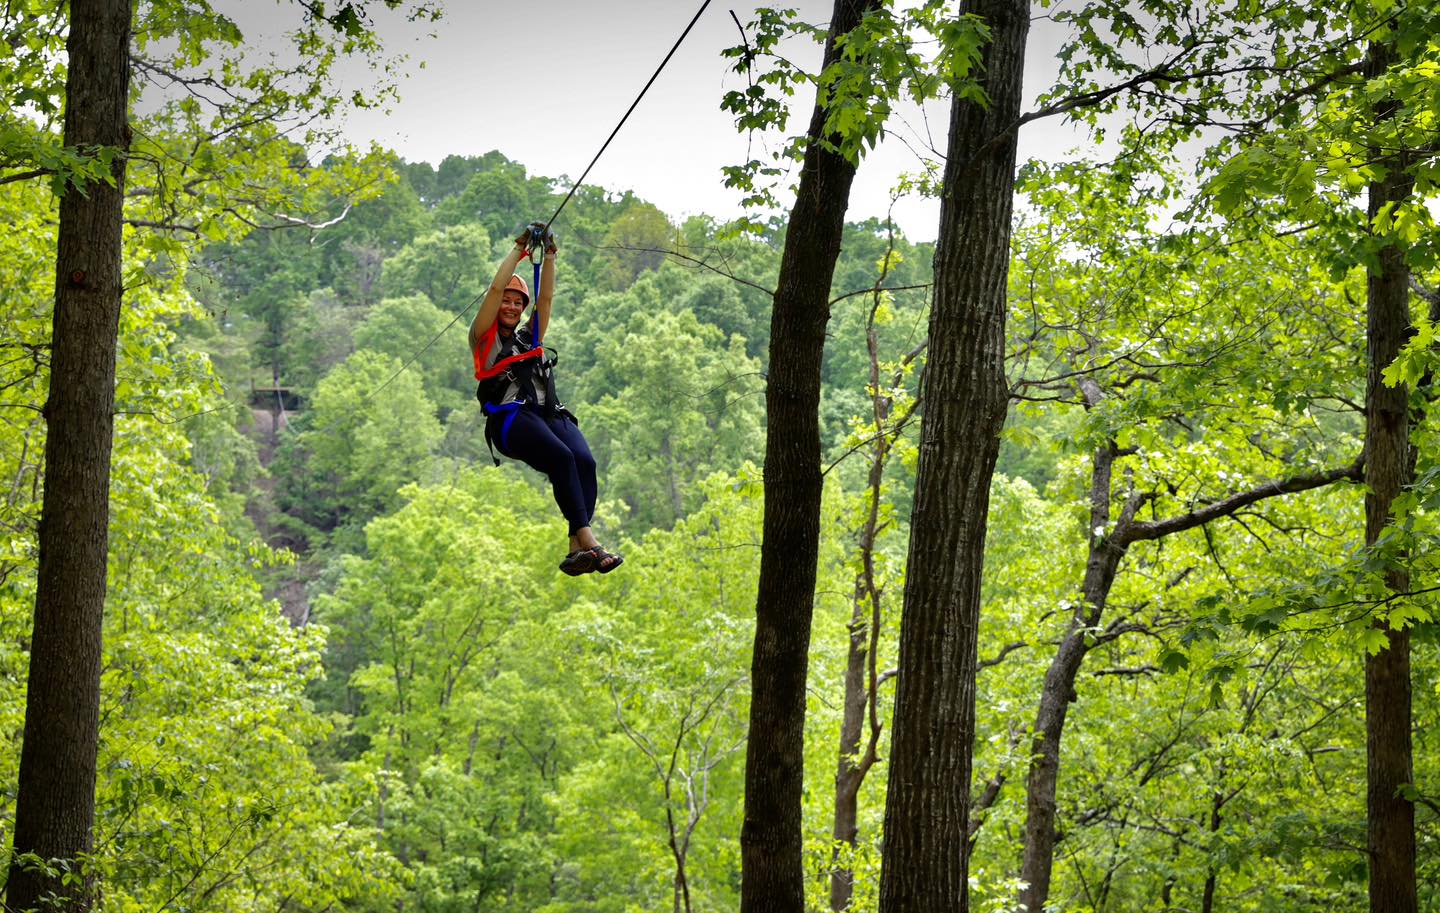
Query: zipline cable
x=561, y=207
x=632, y=107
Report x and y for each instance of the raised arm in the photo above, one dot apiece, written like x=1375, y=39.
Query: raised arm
x=547, y=286
x=490, y=307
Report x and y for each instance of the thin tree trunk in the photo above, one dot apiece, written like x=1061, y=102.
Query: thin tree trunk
x=55, y=807
x=848, y=774
x=1058, y=692
x=861, y=685
x=926, y=860
x=1038, y=855
x=771, y=844
x=1212, y=875
x=861, y=681
x=681, y=899
x=1167, y=890
x=1387, y=470
x=681, y=893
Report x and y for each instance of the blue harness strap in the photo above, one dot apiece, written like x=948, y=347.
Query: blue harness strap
x=535, y=311
x=510, y=410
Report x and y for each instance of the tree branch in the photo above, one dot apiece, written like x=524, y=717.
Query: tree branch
x=25, y=175
x=1127, y=673
x=998, y=658
x=687, y=258
x=871, y=291
x=1141, y=531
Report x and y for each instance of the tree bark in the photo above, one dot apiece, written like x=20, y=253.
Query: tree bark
x=926, y=860
x=771, y=844
x=55, y=806
x=1388, y=469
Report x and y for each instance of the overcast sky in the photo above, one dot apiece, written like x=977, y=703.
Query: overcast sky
x=545, y=83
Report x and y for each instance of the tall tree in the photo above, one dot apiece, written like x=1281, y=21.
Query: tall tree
x=1345, y=102
x=55, y=806
x=771, y=843
x=1376, y=125
x=1389, y=467
x=1126, y=367
x=925, y=862
x=1106, y=553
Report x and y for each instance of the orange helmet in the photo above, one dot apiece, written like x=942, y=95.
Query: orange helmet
x=519, y=285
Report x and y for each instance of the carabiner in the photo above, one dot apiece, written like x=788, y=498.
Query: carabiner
x=537, y=242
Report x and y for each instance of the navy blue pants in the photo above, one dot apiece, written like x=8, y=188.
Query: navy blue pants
x=555, y=447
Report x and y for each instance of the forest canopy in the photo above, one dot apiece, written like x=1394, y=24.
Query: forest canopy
x=341, y=672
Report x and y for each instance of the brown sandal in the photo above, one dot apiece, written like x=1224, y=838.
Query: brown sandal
x=601, y=556
x=580, y=561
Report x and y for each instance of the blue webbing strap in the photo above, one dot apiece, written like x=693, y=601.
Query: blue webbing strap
x=513, y=408
x=535, y=312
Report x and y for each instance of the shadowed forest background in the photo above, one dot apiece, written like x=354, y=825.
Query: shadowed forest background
x=342, y=673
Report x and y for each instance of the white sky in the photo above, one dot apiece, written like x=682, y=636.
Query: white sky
x=545, y=83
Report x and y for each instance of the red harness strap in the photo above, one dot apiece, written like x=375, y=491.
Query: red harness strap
x=487, y=342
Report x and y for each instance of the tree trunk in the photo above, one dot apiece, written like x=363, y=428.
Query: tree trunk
x=1058, y=692
x=682, y=885
x=849, y=774
x=1108, y=549
x=1212, y=875
x=926, y=859
x=861, y=680
x=772, y=873
x=1387, y=471
x=1038, y=854
x=55, y=806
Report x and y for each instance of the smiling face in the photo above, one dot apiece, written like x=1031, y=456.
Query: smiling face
x=512, y=305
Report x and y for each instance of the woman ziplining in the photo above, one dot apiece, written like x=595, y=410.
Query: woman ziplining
x=524, y=419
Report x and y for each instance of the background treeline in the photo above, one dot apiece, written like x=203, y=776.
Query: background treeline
x=439, y=724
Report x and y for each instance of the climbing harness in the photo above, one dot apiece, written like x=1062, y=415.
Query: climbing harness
x=521, y=375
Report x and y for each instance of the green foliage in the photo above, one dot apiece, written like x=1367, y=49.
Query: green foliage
x=636, y=242
x=354, y=249
x=500, y=198
x=450, y=267
x=207, y=798
x=399, y=327
x=459, y=731
x=681, y=405
x=462, y=728
x=918, y=53
x=668, y=651
x=350, y=453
